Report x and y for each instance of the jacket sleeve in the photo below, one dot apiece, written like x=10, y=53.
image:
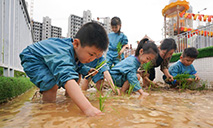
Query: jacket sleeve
x=133, y=81
x=124, y=40
x=174, y=70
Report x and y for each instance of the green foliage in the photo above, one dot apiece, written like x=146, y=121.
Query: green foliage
x=175, y=57
x=203, y=52
x=100, y=64
x=182, y=77
x=11, y=87
x=131, y=87
x=16, y=73
x=119, y=47
x=1, y=71
x=101, y=98
x=147, y=66
x=19, y=74
x=183, y=83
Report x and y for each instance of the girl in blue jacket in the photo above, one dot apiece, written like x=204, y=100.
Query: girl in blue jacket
x=124, y=73
x=118, y=42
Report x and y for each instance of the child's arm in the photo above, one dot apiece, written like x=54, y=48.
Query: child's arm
x=81, y=101
x=110, y=81
x=123, y=48
x=167, y=74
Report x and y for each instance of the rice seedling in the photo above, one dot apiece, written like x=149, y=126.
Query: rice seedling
x=98, y=67
x=183, y=83
x=101, y=98
x=119, y=47
x=147, y=66
x=100, y=64
x=131, y=87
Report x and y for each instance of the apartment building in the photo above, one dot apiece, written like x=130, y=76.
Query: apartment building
x=75, y=22
x=45, y=30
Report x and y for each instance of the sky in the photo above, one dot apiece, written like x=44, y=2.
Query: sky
x=139, y=17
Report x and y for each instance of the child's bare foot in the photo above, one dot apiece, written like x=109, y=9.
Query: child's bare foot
x=145, y=94
x=92, y=111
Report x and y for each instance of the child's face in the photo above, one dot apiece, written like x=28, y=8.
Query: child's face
x=164, y=54
x=145, y=58
x=116, y=28
x=186, y=60
x=86, y=54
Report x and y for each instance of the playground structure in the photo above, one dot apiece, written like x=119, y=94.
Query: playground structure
x=178, y=24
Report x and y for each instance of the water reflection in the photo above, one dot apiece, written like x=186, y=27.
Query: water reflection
x=159, y=109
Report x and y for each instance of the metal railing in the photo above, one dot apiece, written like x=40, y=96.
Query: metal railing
x=198, y=38
x=15, y=34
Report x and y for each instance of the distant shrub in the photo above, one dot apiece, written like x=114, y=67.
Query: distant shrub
x=203, y=52
x=11, y=87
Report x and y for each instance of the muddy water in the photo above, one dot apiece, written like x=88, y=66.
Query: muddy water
x=159, y=109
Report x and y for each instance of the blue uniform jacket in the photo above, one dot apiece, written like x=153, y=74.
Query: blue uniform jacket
x=126, y=70
x=114, y=39
x=51, y=62
x=179, y=68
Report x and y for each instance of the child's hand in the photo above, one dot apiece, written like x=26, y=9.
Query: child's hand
x=92, y=70
x=92, y=111
x=197, y=78
x=170, y=77
x=142, y=73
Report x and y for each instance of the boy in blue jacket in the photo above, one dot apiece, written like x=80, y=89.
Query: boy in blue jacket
x=184, y=65
x=56, y=62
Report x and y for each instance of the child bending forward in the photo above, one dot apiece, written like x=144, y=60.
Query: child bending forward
x=56, y=62
x=124, y=73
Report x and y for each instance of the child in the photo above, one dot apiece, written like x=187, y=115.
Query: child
x=184, y=65
x=98, y=78
x=166, y=49
x=117, y=43
x=124, y=73
x=55, y=63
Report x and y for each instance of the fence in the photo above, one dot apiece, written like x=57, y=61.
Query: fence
x=15, y=34
x=199, y=38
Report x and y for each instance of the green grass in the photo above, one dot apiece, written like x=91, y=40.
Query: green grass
x=11, y=87
x=1, y=71
x=16, y=73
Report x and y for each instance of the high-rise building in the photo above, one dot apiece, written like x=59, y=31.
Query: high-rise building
x=87, y=16
x=75, y=22
x=45, y=30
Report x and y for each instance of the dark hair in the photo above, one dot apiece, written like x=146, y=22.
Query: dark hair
x=93, y=34
x=144, y=40
x=168, y=44
x=116, y=21
x=190, y=52
x=149, y=47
